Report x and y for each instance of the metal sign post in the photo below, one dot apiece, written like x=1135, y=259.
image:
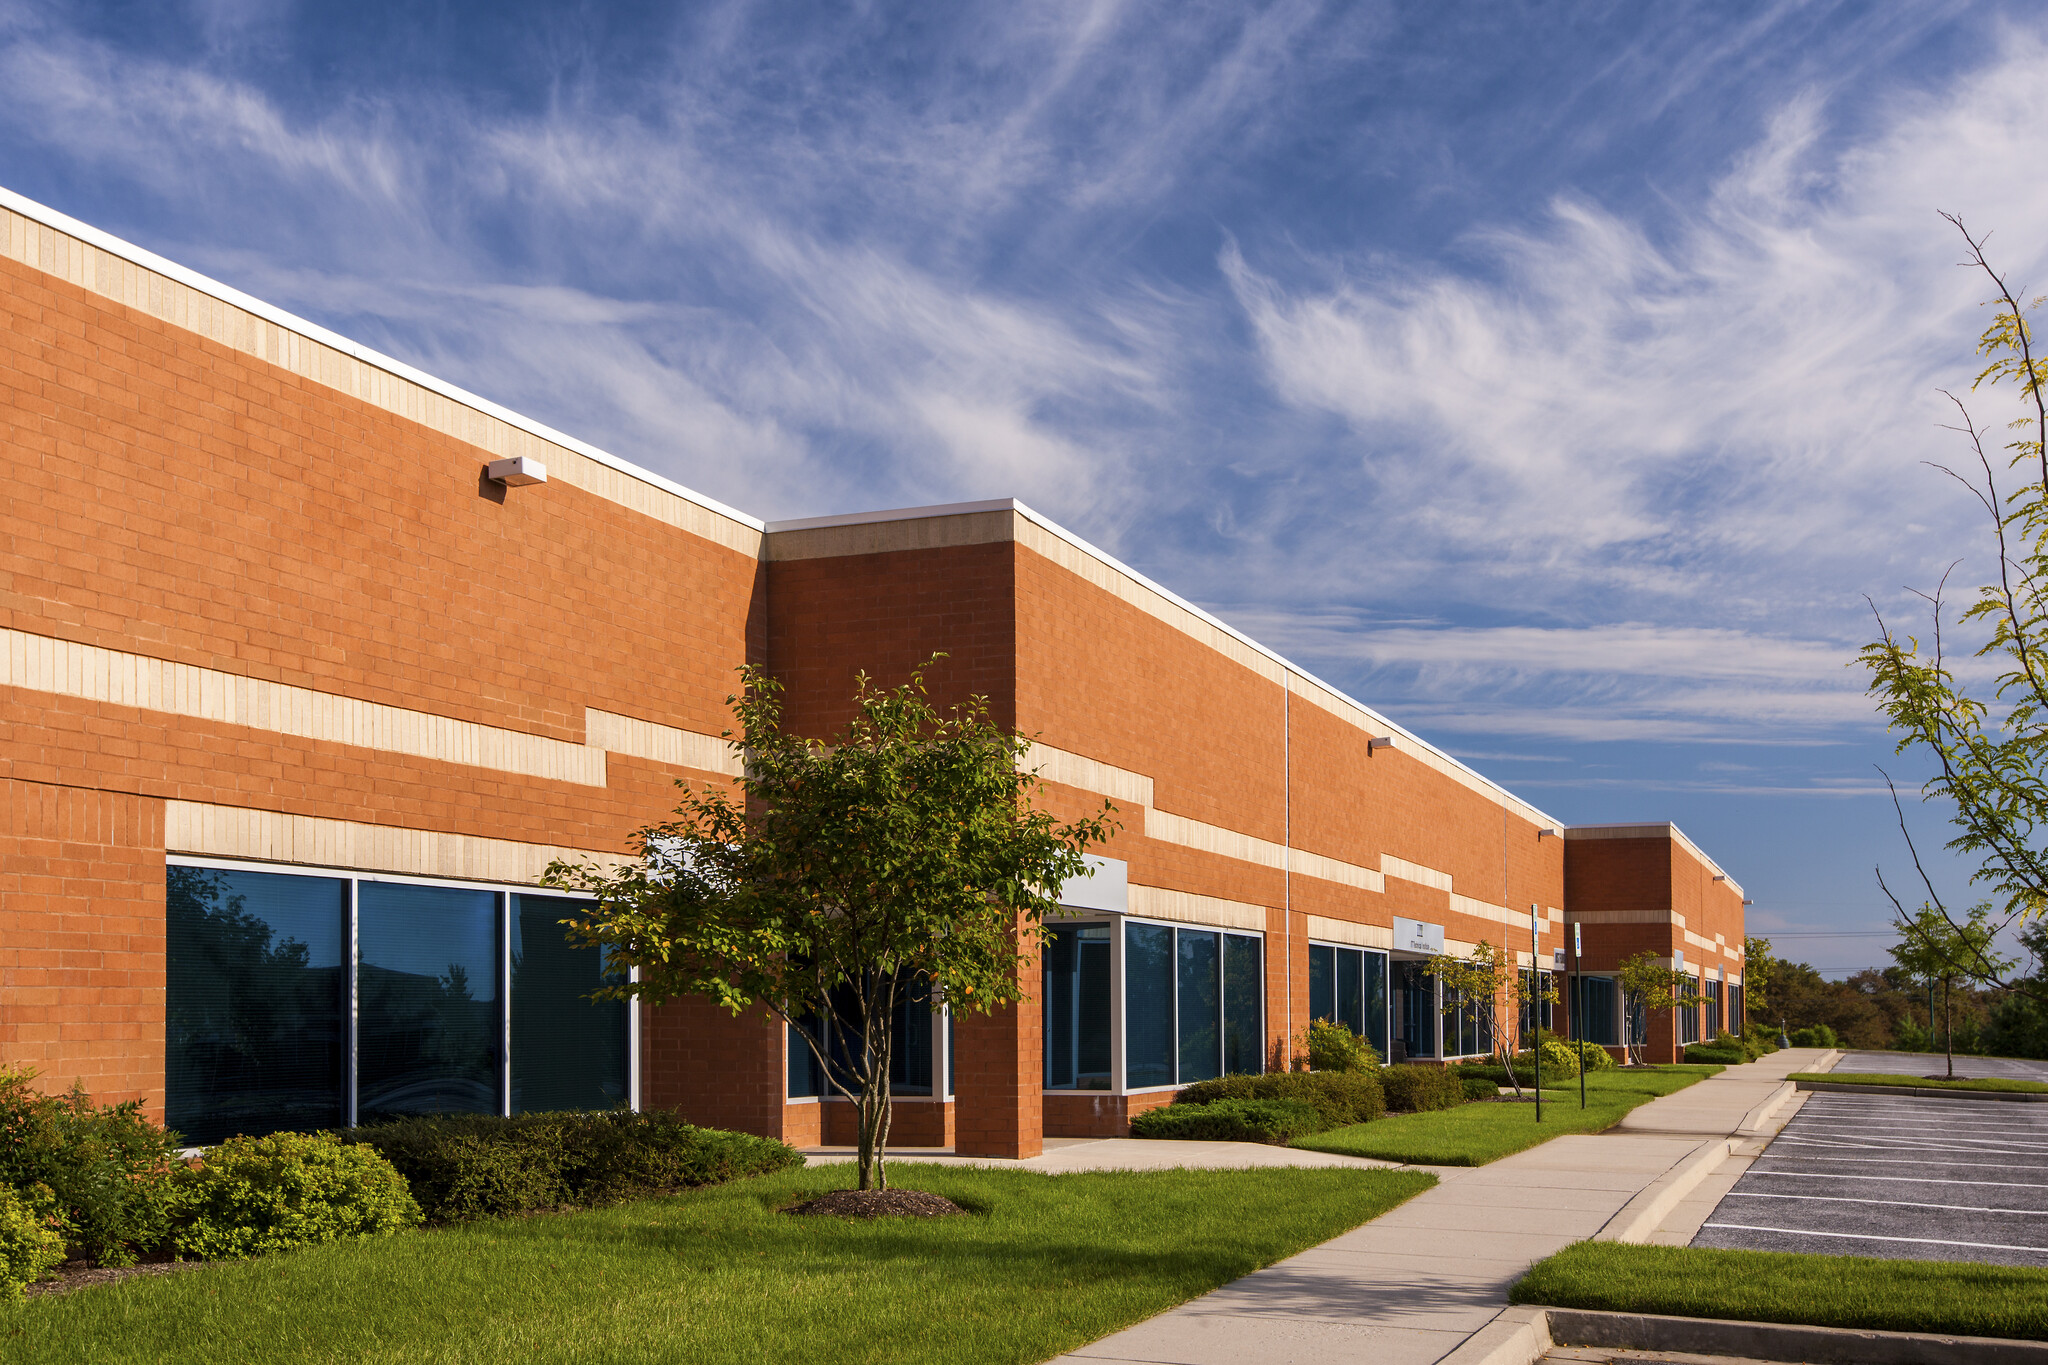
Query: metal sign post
x=1535, y=990
x=1578, y=999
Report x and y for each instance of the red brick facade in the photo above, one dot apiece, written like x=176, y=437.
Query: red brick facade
x=260, y=600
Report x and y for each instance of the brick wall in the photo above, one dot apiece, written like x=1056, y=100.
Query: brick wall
x=82, y=939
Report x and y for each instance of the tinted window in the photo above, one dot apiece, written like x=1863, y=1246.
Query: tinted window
x=428, y=1020
x=568, y=1050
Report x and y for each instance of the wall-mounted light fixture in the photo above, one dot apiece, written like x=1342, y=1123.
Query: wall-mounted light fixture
x=1749, y=902
x=1378, y=742
x=518, y=471
x=1550, y=832
x=1720, y=876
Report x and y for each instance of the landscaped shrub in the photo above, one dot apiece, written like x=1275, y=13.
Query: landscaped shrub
x=1598, y=1058
x=30, y=1242
x=1819, y=1035
x=106, y=1168
x=1274, y=1121
x=1412, y=1089
x=1479, y=1087
x=1705, y=1054
x=250, y=1195
x=1339, y=1098
x=481, y=1165
x=1331, y=1046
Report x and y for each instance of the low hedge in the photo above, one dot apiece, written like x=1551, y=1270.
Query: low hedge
x=1413, y=1089
x=1224, y=1120
x=1479, y=1088
x=1706, y=1053
x=252, y=1195
x=1339, y=1098
x=463, y=1166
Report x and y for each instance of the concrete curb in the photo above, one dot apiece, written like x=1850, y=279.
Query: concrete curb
x=1922, y=1091
x=1753, y=1122
x=1645, y=1213
x=1776, y=1341
x=1519, y=1336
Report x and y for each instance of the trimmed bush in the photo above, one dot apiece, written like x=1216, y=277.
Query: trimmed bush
x=1412, y=1089
x=464, y=1166
x=30, y=1241
x=1340, y=1098
x=1598, y=1058
x=255, y=1195
x=1331, y=1046
x=1272, y=1121
x=1704, y=1054
x=1479, y=1087
x=106, y=1168
x=1819, y=1035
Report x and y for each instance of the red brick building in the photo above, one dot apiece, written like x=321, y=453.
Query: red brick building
x=300, y=701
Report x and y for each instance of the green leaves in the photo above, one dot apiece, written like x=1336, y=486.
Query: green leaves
x=832, y=879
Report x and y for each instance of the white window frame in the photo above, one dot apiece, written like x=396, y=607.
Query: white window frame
x=352, y=936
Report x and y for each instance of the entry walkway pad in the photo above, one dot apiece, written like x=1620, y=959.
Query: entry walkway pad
x=1903, y=1177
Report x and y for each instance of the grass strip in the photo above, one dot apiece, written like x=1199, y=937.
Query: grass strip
x=1043, y=1264
x=1923, y=1083
x=1783, y=1286
x=1474, y=1134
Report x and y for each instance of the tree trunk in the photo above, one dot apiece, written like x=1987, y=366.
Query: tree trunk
x=1948, y=1024
x=874, y=1136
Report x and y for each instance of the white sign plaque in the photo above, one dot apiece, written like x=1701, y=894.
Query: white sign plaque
x=1414, y=936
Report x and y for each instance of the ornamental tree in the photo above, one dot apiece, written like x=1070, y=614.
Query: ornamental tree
x=1934, y=947
x=1647, y=985
x=1987, y=744
x=1486, y=981
x=904, y=860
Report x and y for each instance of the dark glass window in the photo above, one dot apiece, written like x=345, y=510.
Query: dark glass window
x=1148, y=1006
x=806, y=1077
x=1597, y=1014
x=427, y=1032
x=254, y=995
x=1736, y=1018
x=910, y=1055
x=1322, y=982
x=568, y=1051
x=1374, y=991
x=1200, y=1006
x=1244, y=1005
x=1415, y=1009
x=1076, y=997
x=1350, y=990
x=1710, y=1026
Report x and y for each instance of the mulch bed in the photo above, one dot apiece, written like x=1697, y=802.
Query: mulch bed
x=79, y=1275
x=877, y=1204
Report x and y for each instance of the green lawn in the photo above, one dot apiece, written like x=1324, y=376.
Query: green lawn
x=1780, y=1286
x=1042, y=1265
x=1474, y=1134
x=1885, y=1078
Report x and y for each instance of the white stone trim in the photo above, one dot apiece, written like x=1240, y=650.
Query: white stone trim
x=1356, y=935
x=658, y=743
x=212, y=831
x=1182, y=907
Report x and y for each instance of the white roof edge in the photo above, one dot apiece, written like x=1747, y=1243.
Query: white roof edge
x=1678, y=836
x=1047, y=524
x=948, y=509
x=149, y=260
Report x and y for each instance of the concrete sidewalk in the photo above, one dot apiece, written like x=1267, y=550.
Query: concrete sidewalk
x=1418, y=1283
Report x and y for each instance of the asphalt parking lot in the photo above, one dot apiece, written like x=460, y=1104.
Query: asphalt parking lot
x=1899, y=1177
x=1936, y=1064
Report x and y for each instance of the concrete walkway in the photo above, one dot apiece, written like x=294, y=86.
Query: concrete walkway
x=1417, y=1284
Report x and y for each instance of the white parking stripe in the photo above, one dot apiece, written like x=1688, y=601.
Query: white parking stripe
x=1872, y=1237
x=1886, y=1203
x=1982, y=1149
x=1897, y=1179
x=1883, y=1161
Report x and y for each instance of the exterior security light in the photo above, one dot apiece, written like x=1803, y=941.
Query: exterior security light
x=1378, y=742
x=1749, y=902
x=1549, y=832
x=1721, y=877
x=518, y=471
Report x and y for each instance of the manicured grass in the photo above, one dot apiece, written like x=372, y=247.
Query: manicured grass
x=1781, y=1286
x=1918, y=1082
x=1474, y=1134
x=1043, y=1264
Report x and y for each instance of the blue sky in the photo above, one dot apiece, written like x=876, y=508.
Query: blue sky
x=1555, y=377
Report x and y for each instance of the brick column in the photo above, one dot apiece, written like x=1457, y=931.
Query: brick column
x=999, y=1076
x=82, y=939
